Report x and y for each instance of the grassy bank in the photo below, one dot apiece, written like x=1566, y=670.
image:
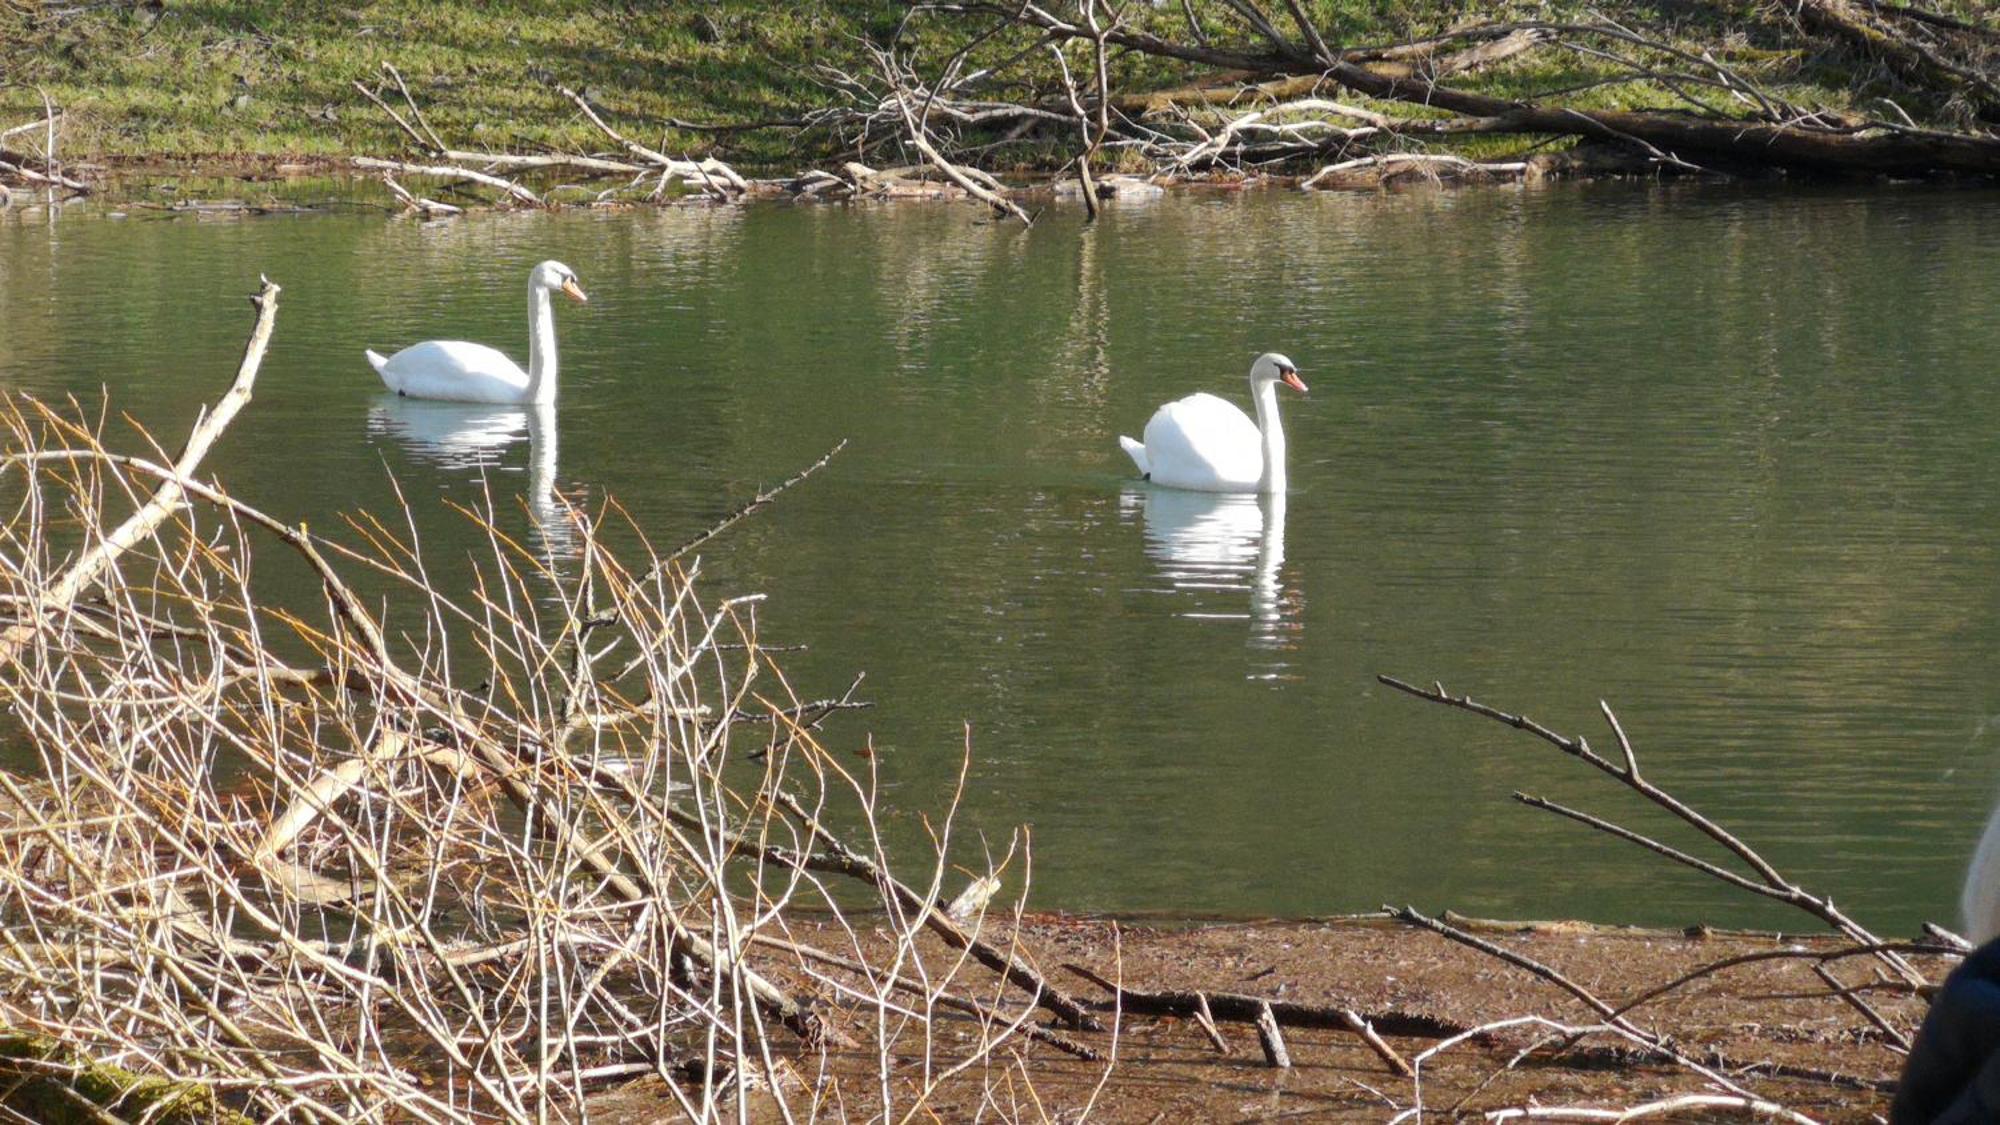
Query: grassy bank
x=275, y=79
x=269, y=79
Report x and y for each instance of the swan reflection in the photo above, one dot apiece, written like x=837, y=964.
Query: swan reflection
x=473, y=440
x=1214, y=549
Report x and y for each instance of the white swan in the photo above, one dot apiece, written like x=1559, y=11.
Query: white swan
x=1204, y=443
x=465, y=372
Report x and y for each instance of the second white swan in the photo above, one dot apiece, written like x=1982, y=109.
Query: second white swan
x=1205, y=443
x=468, y=372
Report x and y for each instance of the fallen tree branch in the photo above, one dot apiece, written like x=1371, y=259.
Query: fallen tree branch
x=1243, y=1008
x=711, y=174
x=140, y=526
x=915, y=133
x=1845, y=147
x=1768, y=882
x=450, y=172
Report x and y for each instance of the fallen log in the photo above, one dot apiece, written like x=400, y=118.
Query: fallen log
x=1839, y=146
x=1237, y=1007
x=450, y=172
x=47, y=1081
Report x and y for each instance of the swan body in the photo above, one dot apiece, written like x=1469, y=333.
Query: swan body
x=1205, y=443
x=466, y=372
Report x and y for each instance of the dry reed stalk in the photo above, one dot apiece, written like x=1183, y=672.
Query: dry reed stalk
x=311, y=866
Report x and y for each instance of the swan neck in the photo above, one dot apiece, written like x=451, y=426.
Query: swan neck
x=1265, y=395
x=541, y=346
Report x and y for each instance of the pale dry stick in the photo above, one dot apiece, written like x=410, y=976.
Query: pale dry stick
x=843, y=860
x=1218, y=143
x=1665, y=1107
x=1774, y=885
x=1272, y=1039
x=486, y=753
x=1952, y=941
x=1896, y=1040
x=318, y=795
x=1391, y=161
x=707, y=170
x=1082, y=118
x=32, y=176
x=547, y=160
x=19, y=129
x=450, y=172
x=1485, y=1031
x=1366, y=1031
x=1206, y=1020
x=49, y=160
x=60, y=594
x=416, y=111
x=1652, y=1040
x=762, y=499
x=915, y=131
x=1117, y=1024
x=418, y=202
x=416, y=138
x=989, y=1042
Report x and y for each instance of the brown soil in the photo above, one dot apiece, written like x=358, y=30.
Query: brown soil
x=1772, y=1025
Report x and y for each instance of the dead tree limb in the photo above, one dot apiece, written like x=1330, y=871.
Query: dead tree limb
x=712, y=175
x=918, y=135
x=140, y=526
x=1237, y=1007
x=1910, y=59
x=1658, y=1043
x=418, y=202
x=1866, y=147
x=1271, y=1039
x=839, y=858
x=1665, y=1107
x=1768, y=883
x=450, y=172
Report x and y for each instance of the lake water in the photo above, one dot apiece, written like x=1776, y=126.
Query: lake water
x=1728, y=458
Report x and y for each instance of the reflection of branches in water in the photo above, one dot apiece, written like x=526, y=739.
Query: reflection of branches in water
x=1207, y=543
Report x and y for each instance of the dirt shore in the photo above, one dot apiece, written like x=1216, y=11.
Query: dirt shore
x=1771, y=1025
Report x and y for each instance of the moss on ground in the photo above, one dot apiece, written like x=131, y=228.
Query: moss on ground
x=94, y=1087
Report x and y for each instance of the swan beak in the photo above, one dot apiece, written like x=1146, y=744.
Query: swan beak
x=575, y=294
x=1293, y=381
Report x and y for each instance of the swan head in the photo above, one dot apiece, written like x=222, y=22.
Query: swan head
x=1272, y=367
x=554, y=275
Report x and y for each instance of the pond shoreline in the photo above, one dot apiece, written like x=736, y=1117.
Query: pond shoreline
x=1771, y=1020
x=124, y=180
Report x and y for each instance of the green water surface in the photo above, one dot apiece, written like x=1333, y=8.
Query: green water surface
x=1728, y=458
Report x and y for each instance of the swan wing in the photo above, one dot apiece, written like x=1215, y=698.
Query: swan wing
x=455, y=370
x=1204, y=442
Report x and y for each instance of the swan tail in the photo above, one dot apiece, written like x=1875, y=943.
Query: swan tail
x=1137, y=452
x=376, y=359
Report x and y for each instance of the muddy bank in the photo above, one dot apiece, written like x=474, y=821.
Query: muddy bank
x=1772, y=1025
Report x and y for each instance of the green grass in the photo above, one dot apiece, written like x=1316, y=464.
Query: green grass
x=234, y=78
x=212, y=78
